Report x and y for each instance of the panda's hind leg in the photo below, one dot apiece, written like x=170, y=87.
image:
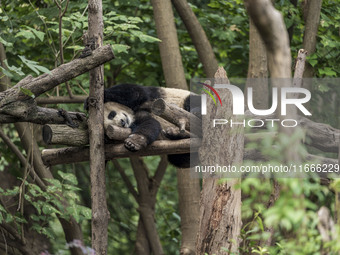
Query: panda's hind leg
x=145, y=130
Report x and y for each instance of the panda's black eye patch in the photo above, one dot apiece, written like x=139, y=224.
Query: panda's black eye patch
x=112, y=114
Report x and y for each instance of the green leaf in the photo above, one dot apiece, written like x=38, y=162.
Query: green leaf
x=27, y=92
x=49, y=209
x=143, y=37
x=86, y=212
x=124, y=27
x=75, y=47
x=5, y=72
x=2, y=209
x=118, y=48
x=7, y=44
x=40, y=35
x=135, y=20
x=68, y=177
x=25, y=33
x=34, y=66
x=56, y=183
x=313, y=62
x=13, y=69
x=72, y=210
x=327, y=71
x=259, y=221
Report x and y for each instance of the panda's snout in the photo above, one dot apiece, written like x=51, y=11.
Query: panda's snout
x=123, y=122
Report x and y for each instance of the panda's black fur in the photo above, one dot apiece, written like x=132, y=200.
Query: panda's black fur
x=123, y=106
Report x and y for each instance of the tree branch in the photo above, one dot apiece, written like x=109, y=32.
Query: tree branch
x=80, y=154
x=61, y=100
x=57, y=76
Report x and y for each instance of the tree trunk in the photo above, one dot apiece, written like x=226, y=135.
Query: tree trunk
x=199, y=38
x=257, y=77
x=100, y=214
x=310, y=35
x=168, y=47
x=146, y=203
x=175, y=78
x=271, y=27
x=220, y=212
x=189, y=198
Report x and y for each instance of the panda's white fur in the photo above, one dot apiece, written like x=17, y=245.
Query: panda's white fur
x=124, y=107
x=174, y=96
x=124, y=115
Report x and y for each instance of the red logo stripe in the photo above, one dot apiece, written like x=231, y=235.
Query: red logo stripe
x=213, y=90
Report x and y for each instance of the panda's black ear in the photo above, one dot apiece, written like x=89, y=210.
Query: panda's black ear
x=111, y=115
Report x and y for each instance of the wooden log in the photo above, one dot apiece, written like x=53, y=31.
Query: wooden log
x=65, y=135
x=178, y=116
x=318, y=135
x=59, y=75
x=61, y=100
x=79, y=154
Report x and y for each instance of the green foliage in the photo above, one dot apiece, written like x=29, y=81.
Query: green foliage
x=29, y=30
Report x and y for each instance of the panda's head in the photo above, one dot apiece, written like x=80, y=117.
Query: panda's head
x=118, y=115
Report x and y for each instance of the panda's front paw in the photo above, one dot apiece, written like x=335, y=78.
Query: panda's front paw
x=135, y=142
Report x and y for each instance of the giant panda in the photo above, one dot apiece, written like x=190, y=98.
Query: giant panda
x=123, y=107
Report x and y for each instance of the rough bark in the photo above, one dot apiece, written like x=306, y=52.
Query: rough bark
x=65, y=135
x=299, y=68
x=100, y=214
x=188, y=203
x=26, y=111
x=220, y=211
x=15, y=106
x=142, y=246
x=257, y=77
x=57, y=76
x=146, y=203
x=4, y=80
x=175, y=78
x=176, y=115
x=270, y=25
x=199, y=38
x=168, y=47
x=79, y=154
x=61, y=100
x=310, y=34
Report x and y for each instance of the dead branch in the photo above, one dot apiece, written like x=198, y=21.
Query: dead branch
x=63, y=134
x=80, y=154
x=14, y=98
x=319, y=135
x=27, y=111
x=61, y=100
